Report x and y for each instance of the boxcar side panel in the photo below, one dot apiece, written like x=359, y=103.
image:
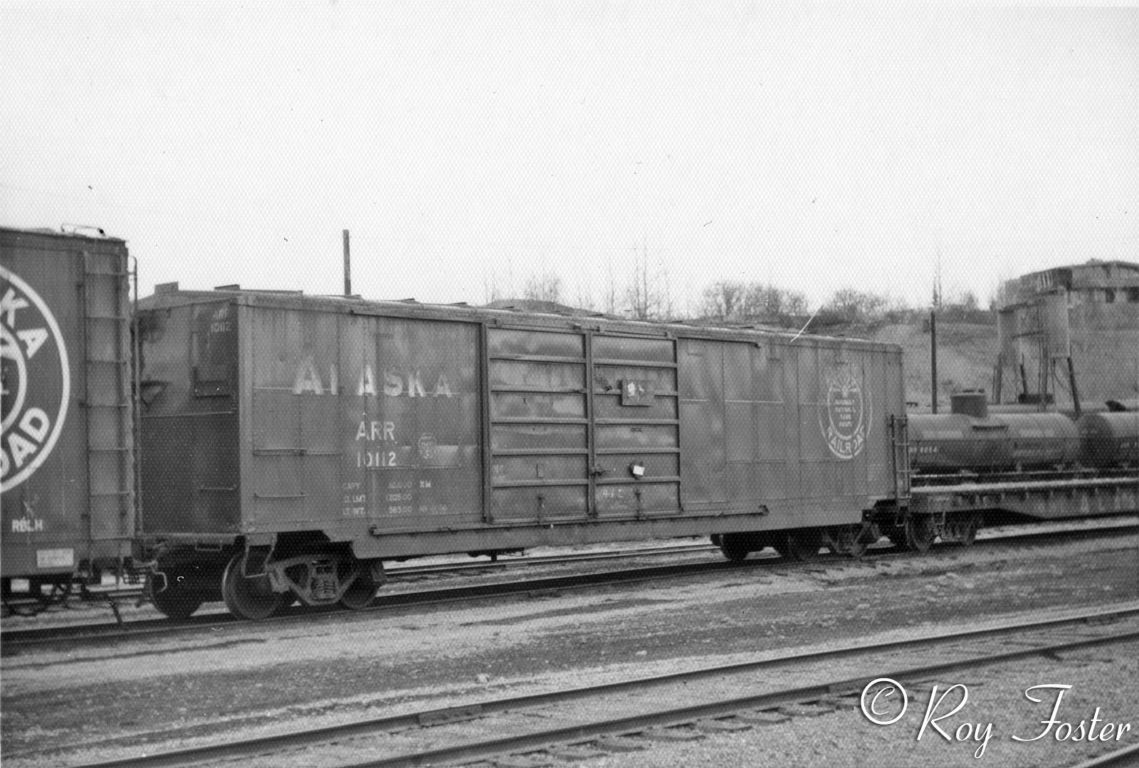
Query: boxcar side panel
x=360, y=423
x=539, y=431
x=410, y=430
x=703, y=447
x=844, y=409
x=66, y=439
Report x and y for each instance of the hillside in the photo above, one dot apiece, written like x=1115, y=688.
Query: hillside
x=967, y=353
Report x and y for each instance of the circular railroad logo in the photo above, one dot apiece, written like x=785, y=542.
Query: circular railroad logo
x=844, y=414
x=35, y=383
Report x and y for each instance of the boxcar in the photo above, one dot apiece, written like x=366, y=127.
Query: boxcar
x=67, y=433
x=291, y=444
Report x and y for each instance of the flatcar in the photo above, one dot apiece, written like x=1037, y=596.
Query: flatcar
x=291, y=444
x=67, y=460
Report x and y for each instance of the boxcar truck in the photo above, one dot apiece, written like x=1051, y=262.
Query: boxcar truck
x=67, y=432
x=291, y=444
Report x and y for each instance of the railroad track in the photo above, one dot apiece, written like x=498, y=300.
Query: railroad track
x=644, y=710
x=117, y=595
x=397, y=573
x=209, y=623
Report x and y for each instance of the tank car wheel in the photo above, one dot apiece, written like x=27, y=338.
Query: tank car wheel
x=174, y=601
x=920, y=533
x=249, y=597
x=964, y=530
x=361, y=592
x=799, y=545
x=969, y=535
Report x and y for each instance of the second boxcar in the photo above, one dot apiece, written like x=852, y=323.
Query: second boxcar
x=291, y=444
x=67, y=476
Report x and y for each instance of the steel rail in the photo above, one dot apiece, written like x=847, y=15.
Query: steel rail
x=1119, y=758
x=110, y=632
x=664, y=718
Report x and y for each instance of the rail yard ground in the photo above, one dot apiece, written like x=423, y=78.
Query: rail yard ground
x=140, y=696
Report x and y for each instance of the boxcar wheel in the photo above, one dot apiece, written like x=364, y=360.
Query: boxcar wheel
x=175, y=601
x=799, y=545
x=846, y=540
x=736, y=551
x=362, y=591
x=249, y=597
x=288, y=600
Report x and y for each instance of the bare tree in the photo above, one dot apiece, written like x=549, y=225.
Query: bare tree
x=736, y=301
x=583, y=298
x=544, y=287
x=648, y=295
x=610, y=307
x=724, y=299
x=637, y=292
x=490, y=288
x=853, y=306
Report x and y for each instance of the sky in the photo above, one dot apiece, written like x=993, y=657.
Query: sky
x=473, y=146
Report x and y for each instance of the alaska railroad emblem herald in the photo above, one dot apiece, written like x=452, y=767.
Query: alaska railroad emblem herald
x=844, y=413
x=34, y=381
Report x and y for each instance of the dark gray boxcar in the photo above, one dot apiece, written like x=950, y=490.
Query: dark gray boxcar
x=279, y=427
x=66, y=438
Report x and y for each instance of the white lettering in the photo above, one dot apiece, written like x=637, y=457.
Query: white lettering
x=415, y=386
x=1052, y=719
x=929, y=710
x=308, y=380
x=393, y=385
x=442, y=388
x=36, y=423
x=9, y=304
x=20, y=448
x=33, y=339
x=367, y=385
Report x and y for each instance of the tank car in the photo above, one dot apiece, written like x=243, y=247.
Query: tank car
x=67, y=455
x=291, y=444
x=1109, y=439
x=972, y=439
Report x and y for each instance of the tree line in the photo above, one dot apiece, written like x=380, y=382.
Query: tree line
x=646, y=294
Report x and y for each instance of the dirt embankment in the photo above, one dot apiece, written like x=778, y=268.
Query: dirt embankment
x=966, y=357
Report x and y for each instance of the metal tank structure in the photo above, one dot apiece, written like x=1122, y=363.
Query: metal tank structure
x=67, y=460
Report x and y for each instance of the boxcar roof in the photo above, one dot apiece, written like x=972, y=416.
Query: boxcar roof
x=12, y=233
x=409, y=308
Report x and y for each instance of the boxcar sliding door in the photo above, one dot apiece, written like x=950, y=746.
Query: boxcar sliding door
x=636, y=443
x=582, y=426
x=539, y=443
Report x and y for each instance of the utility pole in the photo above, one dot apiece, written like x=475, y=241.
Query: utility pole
x=933, y=358
x=347, y=266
